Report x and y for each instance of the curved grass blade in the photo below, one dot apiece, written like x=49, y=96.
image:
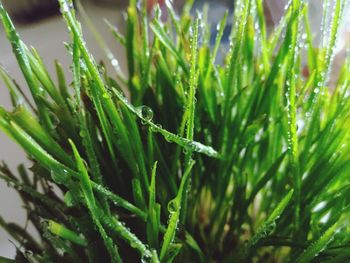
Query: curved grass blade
x=292, y=31
x=190, y=109
x=16, y=97
x=119, y=201
x=168, y=43
x=42, y=75
x=19, y=50
x=59, y=244
x=84, y=131
x=61, y=174
x=62, y=85
x=153, y=219
x=174, y=208
x=266, y=228
x=100, y=41
x=98, y=86
x=115, y=225
x=314, y=249
x=108, y=114
x=324, y=67
x=28, y=122
x=92, y=206
x=116, y=33
x=185, y=143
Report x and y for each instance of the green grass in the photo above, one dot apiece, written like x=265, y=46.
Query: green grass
x=186, y=159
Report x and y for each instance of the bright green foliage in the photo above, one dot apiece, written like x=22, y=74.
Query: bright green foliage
x=189, y=158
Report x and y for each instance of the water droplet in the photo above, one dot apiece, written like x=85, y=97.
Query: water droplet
x=66, y=7
x=146, y=113
x=167, y=138
x=60, y=177
x=99, y=136
x=69, y=199
x=173, y=206
x=114, y=62
x=82, y=134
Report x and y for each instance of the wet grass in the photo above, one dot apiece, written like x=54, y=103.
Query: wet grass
x=188, y=158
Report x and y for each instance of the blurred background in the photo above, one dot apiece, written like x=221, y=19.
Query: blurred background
x=40, y=25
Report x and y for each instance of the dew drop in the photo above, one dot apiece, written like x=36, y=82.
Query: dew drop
x=145, y=112
x=59, y=177
x=82, y=134
x=69, y=199
x=168, y=138
x=99, y=136
x=173, y=206
x=66, y=7
x=114, y=62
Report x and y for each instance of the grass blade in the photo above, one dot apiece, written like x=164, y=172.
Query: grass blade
x=65, y=233
x=92, y=206
x=174, y=208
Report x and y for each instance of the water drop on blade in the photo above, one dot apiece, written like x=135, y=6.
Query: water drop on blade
x=145, y=112
x=173, y=206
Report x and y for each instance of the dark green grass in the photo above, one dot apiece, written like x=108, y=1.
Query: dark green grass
x=187, y=159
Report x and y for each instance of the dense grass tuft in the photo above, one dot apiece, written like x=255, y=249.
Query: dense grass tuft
x=189, y=159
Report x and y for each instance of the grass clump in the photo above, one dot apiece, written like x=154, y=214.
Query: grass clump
x=188, y=159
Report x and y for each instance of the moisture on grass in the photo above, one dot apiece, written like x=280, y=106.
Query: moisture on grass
x=190, y=158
